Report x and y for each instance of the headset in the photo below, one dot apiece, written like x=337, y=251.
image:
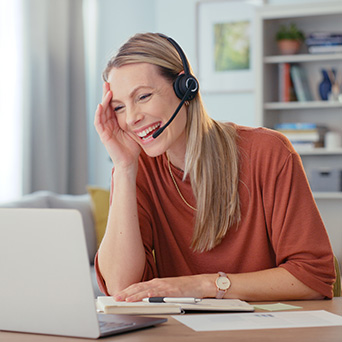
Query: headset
x=185, y=86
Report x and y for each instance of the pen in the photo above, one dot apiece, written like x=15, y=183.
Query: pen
x=177, y=300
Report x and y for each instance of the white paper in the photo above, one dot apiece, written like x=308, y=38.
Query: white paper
x=260, y=320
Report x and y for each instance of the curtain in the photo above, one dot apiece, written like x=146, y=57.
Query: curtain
x=10, y=100
x=55, y=122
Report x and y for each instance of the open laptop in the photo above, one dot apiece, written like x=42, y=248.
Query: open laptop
x=45, y=276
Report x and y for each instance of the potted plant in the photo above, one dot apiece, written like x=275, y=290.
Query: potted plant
x=289, y=39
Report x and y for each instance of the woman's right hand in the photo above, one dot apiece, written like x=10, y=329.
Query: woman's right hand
x=122, y=149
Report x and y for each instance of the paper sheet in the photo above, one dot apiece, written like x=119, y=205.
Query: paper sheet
x=260, y=320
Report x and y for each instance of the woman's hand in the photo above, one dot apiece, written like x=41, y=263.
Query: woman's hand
x=122, y=149
x=271, y=284
x=198, y=286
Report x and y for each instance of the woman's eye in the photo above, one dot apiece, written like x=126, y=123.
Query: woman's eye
x=118, y=108
x=145, y=96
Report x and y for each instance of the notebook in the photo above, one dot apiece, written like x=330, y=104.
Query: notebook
x=109, y=305
x=46, y=284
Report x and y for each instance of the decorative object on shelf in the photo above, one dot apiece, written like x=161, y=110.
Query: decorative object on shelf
x=325, y=85
x=289, y=39
x=335, y=94
x=332, y=140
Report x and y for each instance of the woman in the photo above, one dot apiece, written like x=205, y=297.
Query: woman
x=206, y=209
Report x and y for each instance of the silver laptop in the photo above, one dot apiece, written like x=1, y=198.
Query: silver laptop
x=45, y=277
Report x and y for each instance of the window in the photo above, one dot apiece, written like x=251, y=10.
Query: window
x=10, y=99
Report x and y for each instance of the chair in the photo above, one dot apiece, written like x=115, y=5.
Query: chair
x=337, y=284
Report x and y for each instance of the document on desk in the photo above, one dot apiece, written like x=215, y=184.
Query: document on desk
x=260, y=320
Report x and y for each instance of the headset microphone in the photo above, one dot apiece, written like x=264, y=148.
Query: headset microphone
x=185, y=85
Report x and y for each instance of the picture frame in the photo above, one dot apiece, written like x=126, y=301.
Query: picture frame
x=225, y=45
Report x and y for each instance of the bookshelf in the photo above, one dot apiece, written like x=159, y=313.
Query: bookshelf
x=302, y=105
x=270, y=111
x=300, y=58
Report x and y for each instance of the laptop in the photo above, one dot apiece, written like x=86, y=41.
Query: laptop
x=45, y=276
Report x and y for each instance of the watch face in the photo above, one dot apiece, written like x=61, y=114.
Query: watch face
x=223, y=283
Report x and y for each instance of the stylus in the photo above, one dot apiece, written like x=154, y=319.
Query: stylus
x=179, y=300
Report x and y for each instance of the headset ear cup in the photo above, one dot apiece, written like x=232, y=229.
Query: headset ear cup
x=180, y=86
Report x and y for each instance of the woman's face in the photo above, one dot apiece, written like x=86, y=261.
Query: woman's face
x=143, y=101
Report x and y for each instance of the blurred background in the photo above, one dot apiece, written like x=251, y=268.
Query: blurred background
x=52, y=56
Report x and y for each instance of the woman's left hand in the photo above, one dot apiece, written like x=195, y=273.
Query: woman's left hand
x=198, y=286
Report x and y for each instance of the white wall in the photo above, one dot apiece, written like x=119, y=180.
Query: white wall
x=109, y=23
x=116, y=20
x=236, y=107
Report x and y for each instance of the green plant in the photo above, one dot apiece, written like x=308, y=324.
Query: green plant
x=290, y=32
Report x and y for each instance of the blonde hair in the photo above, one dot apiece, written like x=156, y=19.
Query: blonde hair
x=211, y=159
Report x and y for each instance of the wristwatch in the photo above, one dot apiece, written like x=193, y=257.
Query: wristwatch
x=222, y=284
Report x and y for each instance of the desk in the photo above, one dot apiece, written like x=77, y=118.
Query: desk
x=174, y=331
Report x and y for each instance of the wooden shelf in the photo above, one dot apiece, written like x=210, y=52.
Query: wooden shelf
x=328, y=195
x=302, y=58
x=321, y=152
x=302, y=105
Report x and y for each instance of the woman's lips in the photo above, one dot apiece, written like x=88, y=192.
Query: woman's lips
x=147, y=133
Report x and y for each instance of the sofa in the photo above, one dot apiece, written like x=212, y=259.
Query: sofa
x=93, y=207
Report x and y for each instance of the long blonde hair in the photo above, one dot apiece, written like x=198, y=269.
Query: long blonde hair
x=211, y=158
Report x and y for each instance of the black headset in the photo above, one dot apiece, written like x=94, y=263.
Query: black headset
x=185, y=86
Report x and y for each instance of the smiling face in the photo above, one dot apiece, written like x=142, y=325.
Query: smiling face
x=143, y=101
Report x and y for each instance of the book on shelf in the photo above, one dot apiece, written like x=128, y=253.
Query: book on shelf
x=303, y=146
x=325, y=49
x=300, y=83
x=324, y=42
x=108, y=305
x=298, y=126
x=286, y=90
x=303, y=135
x=324, y=38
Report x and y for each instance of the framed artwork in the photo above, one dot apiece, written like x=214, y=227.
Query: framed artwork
x=225, y=45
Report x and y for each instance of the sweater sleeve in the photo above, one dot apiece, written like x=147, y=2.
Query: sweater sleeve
x=296, y=230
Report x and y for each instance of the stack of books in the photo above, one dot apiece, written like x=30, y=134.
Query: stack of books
x=293, y=83
x=303, y=136
x=324, y=42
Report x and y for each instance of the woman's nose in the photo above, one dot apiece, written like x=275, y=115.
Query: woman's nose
x=133, y=116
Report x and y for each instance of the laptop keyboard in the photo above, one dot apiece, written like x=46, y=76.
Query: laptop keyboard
x=111, y=326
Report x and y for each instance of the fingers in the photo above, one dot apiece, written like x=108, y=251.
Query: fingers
x=153, y=288
x=98, y=116
x=132, y=293
x=105, y=89
x=106, y=99
x=104, y=111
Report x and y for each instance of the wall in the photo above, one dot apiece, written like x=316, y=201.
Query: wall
x=108, y=24
x=236, y=107
x=113, y=21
